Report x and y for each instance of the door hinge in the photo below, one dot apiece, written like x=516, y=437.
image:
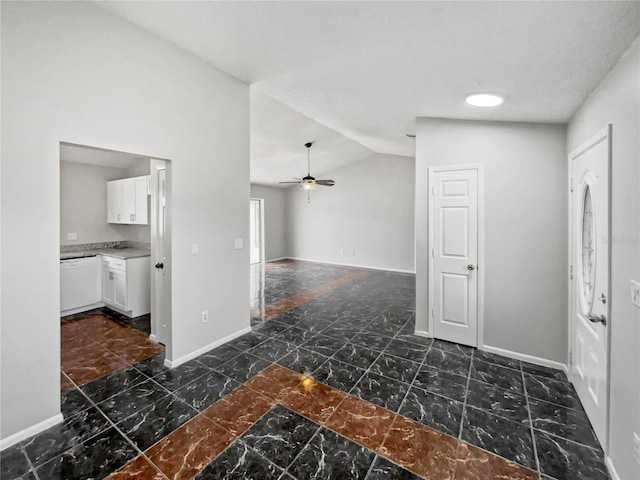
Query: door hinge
x=433, y=190
x=570, y=272
x=433, y=252
x=570, y=357
x=433, y=315
x=571, y=184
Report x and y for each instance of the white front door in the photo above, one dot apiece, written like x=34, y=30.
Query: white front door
x=589, y=305
x=453, y=233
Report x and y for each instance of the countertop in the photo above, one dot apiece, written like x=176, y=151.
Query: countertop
x=122, y=253
x=119, y=250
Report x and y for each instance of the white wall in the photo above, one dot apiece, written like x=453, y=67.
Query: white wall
x=73, y=73
x=525, y=227
x=617, y=101
x=83, y=205
x=366, y=219
x=274, y=219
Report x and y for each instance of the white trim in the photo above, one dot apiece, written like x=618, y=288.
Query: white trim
x=612, y=469
x=367, y=267
x=86, y=308
x=481, y=263
x=196, y=353
x=422, y=333
x=262, y=253
x=527, y=358
x=30, y=431
x=276, y=259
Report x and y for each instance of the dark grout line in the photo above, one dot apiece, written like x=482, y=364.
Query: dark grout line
x=466, y=395
x=533, y=437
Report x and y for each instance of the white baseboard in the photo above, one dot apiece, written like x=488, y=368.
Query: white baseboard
x=30, y=431
x=276, y=259
x=341, y=264
x=196, y=353
x=612, y=469
x=527, y=358
x=86, y=308
x=422, y=333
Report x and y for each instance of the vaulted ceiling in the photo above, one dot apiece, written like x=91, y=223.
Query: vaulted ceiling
x=354, y=75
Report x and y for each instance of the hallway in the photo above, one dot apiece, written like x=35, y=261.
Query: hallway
x=331, y=383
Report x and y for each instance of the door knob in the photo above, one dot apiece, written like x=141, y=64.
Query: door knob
x=598, y=319
x=471, y=267
x=159, y=265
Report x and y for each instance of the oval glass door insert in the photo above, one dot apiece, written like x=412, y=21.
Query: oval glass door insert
x=588, y=251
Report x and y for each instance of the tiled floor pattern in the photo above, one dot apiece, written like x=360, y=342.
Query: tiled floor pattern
x=377, y=399
x=95, y=344
x=292, y=422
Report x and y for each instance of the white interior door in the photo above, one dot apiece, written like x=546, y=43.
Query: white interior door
x=589, y=305
x=161, y=254
x=453, y=232
x=255, y=230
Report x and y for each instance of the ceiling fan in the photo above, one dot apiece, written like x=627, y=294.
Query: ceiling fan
x=309, y=182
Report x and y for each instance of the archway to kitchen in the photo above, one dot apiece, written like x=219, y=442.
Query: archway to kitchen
x=115, y=262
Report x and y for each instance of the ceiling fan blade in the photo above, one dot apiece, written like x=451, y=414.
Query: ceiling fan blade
x=326, y=183
x=288, y=182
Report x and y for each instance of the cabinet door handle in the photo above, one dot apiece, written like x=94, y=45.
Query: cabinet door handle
x=118, y=216
x=159, y=265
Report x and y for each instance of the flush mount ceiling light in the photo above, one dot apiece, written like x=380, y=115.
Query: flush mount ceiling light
x=484, y=99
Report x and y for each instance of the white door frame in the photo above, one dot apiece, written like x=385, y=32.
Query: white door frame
x=260, y=201
x=156, y=304
x=481, y=265
x=603, y=135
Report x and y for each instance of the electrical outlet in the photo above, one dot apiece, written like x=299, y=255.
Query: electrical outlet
x=636, y=447
x=205, y=316
x=635, y=293
x=72, y=236
x=238, y=243
x=195, y=249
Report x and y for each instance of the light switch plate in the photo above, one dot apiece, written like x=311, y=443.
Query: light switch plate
x=635, y=293
x=195, y=249
x=238, y=243
x=72, y=236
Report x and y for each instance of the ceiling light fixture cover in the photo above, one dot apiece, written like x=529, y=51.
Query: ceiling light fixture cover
x=484, y=99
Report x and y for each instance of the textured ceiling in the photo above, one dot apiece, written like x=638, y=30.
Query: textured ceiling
x=366, y=70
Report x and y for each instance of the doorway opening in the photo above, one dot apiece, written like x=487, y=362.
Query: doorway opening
x=256, y=230
x=108, y=245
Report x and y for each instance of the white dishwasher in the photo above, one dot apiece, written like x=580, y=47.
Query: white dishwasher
x=80, y=283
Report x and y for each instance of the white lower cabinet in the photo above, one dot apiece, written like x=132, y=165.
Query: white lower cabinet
x=126, y=285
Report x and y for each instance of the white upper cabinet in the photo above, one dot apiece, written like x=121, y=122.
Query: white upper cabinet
x=127, y=201
x=114, y=202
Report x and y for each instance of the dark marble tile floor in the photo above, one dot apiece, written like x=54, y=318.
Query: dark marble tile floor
x=377, y=382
